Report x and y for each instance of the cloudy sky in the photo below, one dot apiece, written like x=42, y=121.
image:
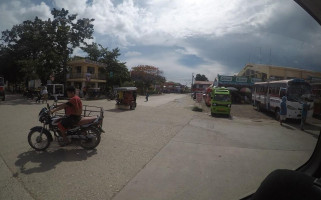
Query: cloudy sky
x=182, y=37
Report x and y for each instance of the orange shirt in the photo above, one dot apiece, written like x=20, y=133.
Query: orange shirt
x=74, y=106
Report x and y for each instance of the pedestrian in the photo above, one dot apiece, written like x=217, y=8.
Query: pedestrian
x=147, y=95
x=84, y=91
x=304, y=113
x=44, y=94
x=283, y=110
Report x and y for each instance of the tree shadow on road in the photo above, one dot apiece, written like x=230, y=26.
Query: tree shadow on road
x=21, y=101
x=48, y=160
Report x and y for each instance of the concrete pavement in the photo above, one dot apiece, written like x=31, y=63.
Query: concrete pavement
x=161, y=150
x=217, y=158
x=131, y=140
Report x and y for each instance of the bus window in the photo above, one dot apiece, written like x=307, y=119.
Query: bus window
x=282, y=92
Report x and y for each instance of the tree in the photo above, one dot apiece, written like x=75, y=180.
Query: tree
x=145, y=75
x=40, y=48
x=116, y=71
x=200, y=77
x=69, y=35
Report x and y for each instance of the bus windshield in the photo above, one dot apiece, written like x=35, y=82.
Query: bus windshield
x=298, y=91
x=222, y=97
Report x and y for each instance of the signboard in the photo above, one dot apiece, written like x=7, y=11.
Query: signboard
x=233, y=80
x=199, y=97
x=242, y=79
x=254, y=80
x=226, y=78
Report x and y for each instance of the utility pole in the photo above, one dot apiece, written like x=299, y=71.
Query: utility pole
x=192, y=80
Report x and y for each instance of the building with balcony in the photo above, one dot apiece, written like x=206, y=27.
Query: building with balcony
x=270, y=72
x=87, y=73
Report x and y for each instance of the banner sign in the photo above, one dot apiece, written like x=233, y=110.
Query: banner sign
x=235, y=80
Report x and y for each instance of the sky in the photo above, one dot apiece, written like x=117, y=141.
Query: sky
x=182, y=37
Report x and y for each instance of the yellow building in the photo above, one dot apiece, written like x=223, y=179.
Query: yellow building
x=87, y=73
x=269, y=72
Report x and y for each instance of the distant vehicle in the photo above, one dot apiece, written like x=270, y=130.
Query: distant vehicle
x=268, y=95
x=2, y=89
x=221, y=101
x=55, y=90
x=207, y=96
x=126, y=96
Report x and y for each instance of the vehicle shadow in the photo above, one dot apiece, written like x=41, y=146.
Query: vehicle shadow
x=117, y=110
x=224, y=116
x=49, y=159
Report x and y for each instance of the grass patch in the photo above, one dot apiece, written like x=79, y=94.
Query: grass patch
x=197, y=109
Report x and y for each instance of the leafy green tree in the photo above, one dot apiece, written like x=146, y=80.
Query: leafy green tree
x=200, y=77
x=116, y=71
x=69, y=34
x=40, y=48
x=146, y=75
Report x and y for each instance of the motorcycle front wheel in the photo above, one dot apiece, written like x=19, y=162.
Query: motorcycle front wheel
x=92, y=139
x=38, y=141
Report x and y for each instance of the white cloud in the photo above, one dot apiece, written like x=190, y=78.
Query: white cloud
x=14, y=12
x=132, y=54
x=172, y=24
x=165, y=22
x=173, y=70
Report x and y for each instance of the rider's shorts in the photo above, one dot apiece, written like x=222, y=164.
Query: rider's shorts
x=68, y=122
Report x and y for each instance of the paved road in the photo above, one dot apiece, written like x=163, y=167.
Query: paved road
x=161, y=150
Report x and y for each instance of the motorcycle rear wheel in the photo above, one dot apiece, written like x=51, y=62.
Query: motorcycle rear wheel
x=37, y=142
x=91, y=143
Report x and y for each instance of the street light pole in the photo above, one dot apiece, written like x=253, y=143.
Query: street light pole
x=192, y=79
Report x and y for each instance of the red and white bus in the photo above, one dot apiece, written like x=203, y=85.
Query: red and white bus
x=268, y=95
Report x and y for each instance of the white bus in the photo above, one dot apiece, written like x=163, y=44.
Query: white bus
x=268, y=95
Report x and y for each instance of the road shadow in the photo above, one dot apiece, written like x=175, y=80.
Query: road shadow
x=20, y=101
x=223, y=116
x=117, y=110
x=23, y=101
x=310, y=129
x=48, y=160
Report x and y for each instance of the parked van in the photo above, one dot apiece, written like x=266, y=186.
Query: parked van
x=55, y=90
x=221, y=101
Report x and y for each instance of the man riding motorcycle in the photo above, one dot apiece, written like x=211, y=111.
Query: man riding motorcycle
x=73, y=111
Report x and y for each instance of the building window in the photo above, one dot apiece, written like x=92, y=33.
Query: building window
x=78, y=69
x=91, y=70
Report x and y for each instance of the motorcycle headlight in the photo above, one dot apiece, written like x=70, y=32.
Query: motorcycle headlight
x=229, y=105
x=214, y=104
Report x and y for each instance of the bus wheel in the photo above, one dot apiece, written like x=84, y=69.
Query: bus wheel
x=277, y=114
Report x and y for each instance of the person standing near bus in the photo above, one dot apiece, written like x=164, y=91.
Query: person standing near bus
x=283, y=110
x=304, y=114
x=147, y=95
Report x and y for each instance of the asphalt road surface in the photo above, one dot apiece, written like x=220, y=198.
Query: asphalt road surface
x=161, y=150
